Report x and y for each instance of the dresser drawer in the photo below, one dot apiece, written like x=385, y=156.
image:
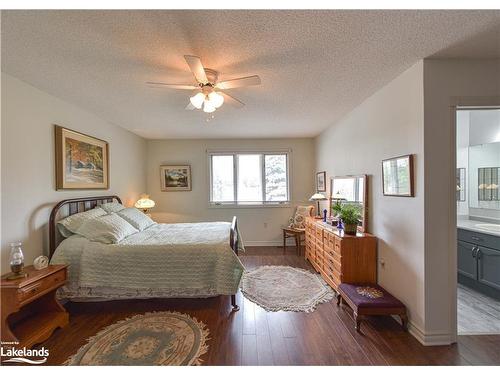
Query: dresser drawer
x=333, y=264
x=40, y=287
x=331, y=270
x=319, y=232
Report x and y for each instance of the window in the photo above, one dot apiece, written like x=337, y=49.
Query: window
x=249, y=178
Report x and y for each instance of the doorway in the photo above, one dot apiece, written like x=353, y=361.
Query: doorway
x=478, y=219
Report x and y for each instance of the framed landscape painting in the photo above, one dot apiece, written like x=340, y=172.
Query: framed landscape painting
x=397, y=176
x=175, y=177
x=82, y=161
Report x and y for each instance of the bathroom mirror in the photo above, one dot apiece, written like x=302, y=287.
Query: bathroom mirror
x=461, y=186
x=351, y=189
x=484, y=176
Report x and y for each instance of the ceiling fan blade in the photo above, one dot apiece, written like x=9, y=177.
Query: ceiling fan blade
x=239, y=82
x=231, y=100
x=189, y=107
x=171, y=85
x=196, y=67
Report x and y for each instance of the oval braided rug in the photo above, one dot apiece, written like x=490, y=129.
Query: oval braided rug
x=159, y=338
x=284, y=288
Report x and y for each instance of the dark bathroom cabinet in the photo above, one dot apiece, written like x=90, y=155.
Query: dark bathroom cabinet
x=479, y=262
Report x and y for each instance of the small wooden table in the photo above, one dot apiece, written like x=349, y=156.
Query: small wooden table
x=297, y=234
x=30, y=311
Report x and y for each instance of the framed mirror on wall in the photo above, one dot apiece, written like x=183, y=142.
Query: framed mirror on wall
x=352, y=190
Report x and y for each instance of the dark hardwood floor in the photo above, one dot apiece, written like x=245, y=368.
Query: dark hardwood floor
x=253, y=336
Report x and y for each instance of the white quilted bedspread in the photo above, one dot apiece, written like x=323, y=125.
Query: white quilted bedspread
x=165, y=260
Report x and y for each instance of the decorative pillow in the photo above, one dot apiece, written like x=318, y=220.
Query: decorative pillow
x=112, y=207
x=298, y=220
x=138, y=219
x=68, y=226
x=106, y=229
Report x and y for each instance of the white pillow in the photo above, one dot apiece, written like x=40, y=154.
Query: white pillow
x=138, y=219
x=68, y=226
x=112, y=207
x=107, y=229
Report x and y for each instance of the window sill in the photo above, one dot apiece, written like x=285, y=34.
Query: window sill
x=250, y=205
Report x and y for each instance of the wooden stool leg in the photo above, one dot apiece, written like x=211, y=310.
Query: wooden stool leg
x=297, y=243
x=357, y=319
x=284, y=242
x=404, y=321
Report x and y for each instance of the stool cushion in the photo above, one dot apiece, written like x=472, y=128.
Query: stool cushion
x=369, y=295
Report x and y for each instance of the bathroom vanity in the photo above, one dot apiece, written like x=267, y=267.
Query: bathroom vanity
x=479, y=256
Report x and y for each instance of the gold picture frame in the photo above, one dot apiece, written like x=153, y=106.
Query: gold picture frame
x=175, y=177
x=81, y=161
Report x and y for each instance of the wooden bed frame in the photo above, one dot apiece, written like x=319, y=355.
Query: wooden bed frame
x=76, y=205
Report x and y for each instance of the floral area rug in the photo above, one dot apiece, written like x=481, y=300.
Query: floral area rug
x=159, y=338
x=284, y=288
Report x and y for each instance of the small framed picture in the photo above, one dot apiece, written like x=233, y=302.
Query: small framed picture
x=82, y=161
x=321, y=181
x=175, y=177
x=397, y=176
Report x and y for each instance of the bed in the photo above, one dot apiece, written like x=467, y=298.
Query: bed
x=185, y=260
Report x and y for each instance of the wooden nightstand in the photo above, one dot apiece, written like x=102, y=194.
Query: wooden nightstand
x=30, y=311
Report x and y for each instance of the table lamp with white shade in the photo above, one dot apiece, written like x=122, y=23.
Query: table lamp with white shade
x=144, y=203
x=317, y=198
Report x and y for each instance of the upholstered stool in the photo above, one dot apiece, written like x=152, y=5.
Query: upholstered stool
x=370, y=299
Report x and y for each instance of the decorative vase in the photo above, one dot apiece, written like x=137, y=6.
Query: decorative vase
x=350, y=228
x=16, y=261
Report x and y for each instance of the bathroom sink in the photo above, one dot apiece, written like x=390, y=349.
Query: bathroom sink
x=490, y=227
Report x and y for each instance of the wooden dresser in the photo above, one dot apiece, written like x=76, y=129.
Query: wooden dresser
x=339, y=257
x=30, y=311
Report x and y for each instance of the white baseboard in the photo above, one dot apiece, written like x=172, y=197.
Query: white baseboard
x=430, y=339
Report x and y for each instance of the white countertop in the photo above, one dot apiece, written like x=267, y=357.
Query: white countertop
x=471, y=225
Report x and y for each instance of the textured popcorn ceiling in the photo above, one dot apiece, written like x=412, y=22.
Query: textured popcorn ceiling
x=315, y=65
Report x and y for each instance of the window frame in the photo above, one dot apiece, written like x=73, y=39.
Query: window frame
x=262, y=152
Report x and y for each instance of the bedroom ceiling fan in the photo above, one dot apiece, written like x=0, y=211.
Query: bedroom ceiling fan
x=209, y=94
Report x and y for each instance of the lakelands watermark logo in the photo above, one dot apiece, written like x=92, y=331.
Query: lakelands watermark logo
x=23, y=355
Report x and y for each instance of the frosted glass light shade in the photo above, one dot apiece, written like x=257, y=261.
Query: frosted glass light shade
x=197, y=100
x=208, y=107
x=318, y=197
x=144, y=203
x=215, y=99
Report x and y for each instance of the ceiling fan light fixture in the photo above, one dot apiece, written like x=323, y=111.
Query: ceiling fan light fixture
x=197, y=100
x=208, y=107
x=216, y=99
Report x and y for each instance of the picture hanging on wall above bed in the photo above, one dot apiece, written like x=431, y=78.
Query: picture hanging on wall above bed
x=82, y=161
x=175, y=177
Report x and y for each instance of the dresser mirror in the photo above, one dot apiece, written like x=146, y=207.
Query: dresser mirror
x=353, y=190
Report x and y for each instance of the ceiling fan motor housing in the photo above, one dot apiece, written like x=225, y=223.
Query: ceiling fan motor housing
x=212, y=76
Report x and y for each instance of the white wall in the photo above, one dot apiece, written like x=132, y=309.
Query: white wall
x=388, y=124
x=259, y=226
x=447, y=83
x=28, y=181
x=484, y=126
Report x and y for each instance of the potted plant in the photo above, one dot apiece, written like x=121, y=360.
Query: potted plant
x=350, y=214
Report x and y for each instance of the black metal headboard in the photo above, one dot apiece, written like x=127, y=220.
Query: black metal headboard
x=75, y=206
